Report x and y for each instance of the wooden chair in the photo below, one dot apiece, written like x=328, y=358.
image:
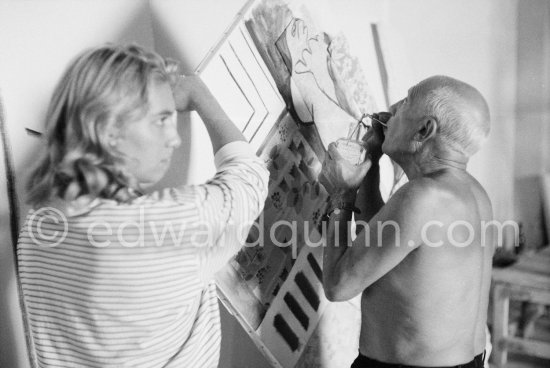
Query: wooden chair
x=528, y=281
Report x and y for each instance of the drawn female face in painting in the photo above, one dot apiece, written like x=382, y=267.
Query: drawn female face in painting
x=313, y=89
x=309, y=53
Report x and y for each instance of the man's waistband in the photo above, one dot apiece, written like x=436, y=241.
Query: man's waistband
x=366, y=362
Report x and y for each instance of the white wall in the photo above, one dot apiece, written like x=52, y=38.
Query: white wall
x=472, y=40
x=502, y=47
x=533, y=117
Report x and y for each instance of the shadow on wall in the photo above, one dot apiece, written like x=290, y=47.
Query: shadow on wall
x=166, y=46
x=237, y=348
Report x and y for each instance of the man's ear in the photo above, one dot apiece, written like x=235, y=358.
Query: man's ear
x=426, y=130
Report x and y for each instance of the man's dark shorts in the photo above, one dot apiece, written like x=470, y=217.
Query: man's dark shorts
x=364, y=362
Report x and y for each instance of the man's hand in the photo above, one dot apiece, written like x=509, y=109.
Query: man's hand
x=340, y=173
x=374, y=138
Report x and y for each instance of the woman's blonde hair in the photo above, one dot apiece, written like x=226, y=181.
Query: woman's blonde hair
x=102, y=89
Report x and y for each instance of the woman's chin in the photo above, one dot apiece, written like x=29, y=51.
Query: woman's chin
x=147, y=183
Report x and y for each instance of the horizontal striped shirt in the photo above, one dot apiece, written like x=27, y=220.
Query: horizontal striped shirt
x=130, y=284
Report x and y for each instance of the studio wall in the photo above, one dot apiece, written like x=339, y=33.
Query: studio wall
x=532, y=129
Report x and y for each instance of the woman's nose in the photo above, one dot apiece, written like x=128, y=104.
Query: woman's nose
x=174, y=140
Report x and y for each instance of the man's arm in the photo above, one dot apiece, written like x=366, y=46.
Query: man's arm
x=369, y=200
x=396, y=230
x=338, y=240
x=345, y=178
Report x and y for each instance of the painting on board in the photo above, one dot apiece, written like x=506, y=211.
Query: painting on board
x=242, y=84
x=321, y=82
x=292, y=89
x=274, y=284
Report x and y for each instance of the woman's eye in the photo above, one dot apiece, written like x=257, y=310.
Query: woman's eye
x=166, y=120
x=162, y=121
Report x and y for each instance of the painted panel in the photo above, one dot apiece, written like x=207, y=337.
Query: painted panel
x=292, y=89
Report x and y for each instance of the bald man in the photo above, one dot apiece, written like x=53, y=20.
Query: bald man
x=422, y=261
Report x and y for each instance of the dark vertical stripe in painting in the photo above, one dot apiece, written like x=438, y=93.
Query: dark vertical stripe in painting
x=286, y=332
x=14, y=222
x=307, y=289
x=298, y=312
x=315, y=266
x=381, y=62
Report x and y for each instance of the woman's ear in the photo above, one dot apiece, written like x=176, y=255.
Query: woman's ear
x=111, y=135
x=111, y=139
x=426, y=130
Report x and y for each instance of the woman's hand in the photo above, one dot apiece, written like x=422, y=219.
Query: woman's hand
x=190, y=93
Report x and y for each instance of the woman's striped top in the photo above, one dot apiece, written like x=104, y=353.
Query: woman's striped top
x=130, y=284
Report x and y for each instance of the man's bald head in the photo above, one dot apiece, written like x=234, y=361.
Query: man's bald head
x=460, y=110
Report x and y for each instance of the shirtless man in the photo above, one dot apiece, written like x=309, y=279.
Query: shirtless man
x=423, y=261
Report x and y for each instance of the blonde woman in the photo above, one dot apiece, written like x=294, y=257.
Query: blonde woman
x=112, y=277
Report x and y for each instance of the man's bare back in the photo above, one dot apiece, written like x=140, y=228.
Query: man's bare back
x=422, y=261
x=426, y=311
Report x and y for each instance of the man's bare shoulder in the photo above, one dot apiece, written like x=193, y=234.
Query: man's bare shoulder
x=422, y=191
x=429, y=199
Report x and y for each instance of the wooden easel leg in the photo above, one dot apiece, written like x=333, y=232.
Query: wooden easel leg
x=501, y=304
